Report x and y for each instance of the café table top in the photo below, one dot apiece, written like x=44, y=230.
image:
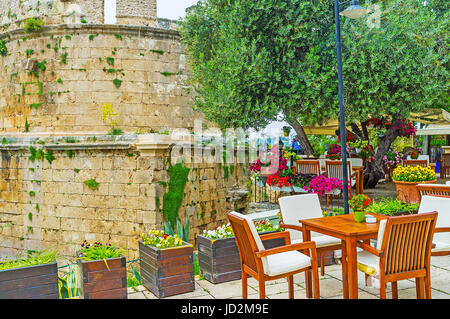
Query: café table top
x=342, y=225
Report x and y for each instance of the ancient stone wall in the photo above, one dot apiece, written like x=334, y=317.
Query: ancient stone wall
x=47, y=204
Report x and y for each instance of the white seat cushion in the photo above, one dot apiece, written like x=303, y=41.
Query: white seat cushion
x=440, y=246
x=321, y=241
x=286, y=262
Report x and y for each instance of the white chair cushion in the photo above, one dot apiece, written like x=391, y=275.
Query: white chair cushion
x=447, y=183
x=321, y=241
x=286, y=262
x=440, y=246
x=442, y=206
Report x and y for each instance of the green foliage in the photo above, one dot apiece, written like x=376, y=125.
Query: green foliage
x=389, y=206
x=258, y=58
x=32, y=258
x=182, y=232
x=3, y=48
x=33, y=24
x=110, y=61
x=115, y=131
x=91, y=183
x=117, y=82
x=63, y=59
x=68, y=283
x=158, y=51
x=98, y=251
x=173, y=199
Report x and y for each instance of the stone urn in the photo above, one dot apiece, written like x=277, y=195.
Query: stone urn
x=407, y=192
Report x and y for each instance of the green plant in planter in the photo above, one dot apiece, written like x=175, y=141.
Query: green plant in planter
x=182, y=232
x=68, y=283
x=390, y=206
x=32, y=258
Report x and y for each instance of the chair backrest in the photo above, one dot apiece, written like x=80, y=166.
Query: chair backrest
x=356, y=161
x=417, y=162
x=247, y=240
x=296, y=207
x=442, y=206
x=440, y=190
x=334, y=169
x=308, y=167
x=445, y=159
x=406, y=242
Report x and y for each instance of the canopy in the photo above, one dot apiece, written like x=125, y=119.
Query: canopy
x=438, y=119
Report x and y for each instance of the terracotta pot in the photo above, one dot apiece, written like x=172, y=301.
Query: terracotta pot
x=407, y=192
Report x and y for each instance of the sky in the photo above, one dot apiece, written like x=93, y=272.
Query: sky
x=173, y=9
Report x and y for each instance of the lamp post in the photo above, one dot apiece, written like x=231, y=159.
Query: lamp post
x=354, y=11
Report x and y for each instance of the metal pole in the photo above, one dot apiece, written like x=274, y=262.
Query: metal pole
x=341, y=107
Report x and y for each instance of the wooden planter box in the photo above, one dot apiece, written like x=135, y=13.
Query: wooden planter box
x=99, y=282
x=33, y=282
x=167, y=272
x=383, y=216
x=219, y=260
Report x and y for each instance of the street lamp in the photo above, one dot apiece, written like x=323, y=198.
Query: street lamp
x=354, y=11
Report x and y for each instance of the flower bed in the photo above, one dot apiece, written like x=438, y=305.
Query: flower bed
x=33, y=277
x=167, y=266
x=219, y=255
x=103, y=271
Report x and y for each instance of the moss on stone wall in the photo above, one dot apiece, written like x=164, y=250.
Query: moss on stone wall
x=173, y=199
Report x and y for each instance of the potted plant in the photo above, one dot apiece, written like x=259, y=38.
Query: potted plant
x=286, y=130
x=391, y=207
x=299, y=181
x=219, y=255
x=322, y=185
x=103, y=273
x=32, y=277
x=334, y=152
x=359, y=204
x=367, y=153
x=414, y=154
x=406, y=179
x=279, y=183
x=167, y=266
x=391, y=160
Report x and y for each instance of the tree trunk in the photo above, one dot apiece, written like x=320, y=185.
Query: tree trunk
x=301, y=136
x=374, y=171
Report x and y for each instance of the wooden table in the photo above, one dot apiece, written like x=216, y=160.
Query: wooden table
x=345, y=228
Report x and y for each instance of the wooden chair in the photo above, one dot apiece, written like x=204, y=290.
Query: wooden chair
x=295, y=208
x=441, y=239
x=270, y=264
x=423, y=163
x=333, y=169
x=308, y=167
x=403, y=251
x=445, y=165
x=440, y=190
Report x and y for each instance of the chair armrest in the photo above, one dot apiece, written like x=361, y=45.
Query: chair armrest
x=442, y=229
x=369, y=249
x=289, y=226
x=280, y=234
x=282, y=249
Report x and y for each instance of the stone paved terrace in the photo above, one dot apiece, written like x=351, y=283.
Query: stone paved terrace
x=330, y=286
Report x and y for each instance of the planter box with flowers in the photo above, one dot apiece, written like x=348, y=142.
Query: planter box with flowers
x=167, y=266
x=300, y=181
x=322, y=185
x=386, y=207
x=103, y=272
x=279, y=183
x=406, y=179
x=33, y=277
x=218, y=253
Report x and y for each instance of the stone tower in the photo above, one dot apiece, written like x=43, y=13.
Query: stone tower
x=85, y=109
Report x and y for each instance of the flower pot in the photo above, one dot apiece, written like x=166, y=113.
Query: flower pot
x=218, y=259
x=167, y=272
x=299, y=189
x=359, y=217
x=103, y=279
x=33, y=282
x=282, y=189
x=407, y=192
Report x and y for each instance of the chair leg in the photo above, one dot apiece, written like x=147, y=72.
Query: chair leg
x=382, y=289
x=290, y=280
x=262, y=289
x=419, y=288
x=244, y=285
x=322, y=264
x=394, y=290
x=428, y=287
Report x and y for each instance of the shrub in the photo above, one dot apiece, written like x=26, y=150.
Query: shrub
x=33, y=24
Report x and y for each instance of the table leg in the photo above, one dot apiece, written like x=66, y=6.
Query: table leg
x=352, y=269
x=308, y=277
x=344, y=270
